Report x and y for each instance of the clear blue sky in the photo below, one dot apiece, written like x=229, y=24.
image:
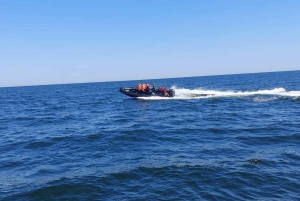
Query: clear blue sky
x=71, y=41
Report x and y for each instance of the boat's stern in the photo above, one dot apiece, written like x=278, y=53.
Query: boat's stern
x=171, y=92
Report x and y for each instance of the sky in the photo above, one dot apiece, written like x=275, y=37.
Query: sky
x=72, y=41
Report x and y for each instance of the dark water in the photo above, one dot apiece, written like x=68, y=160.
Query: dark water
x=234, y=137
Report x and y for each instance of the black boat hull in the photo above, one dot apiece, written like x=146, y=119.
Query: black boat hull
x=133, y=92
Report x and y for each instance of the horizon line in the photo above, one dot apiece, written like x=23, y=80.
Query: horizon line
x=37, y=85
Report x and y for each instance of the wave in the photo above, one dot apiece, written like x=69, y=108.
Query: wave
x=198, y=93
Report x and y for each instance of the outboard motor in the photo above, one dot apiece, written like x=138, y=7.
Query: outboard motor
x=171, y=92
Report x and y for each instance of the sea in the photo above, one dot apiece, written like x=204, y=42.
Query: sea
x=226, y=137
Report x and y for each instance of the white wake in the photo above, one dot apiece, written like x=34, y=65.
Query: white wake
x=198, y=93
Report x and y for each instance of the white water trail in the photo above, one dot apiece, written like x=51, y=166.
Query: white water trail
x=198, y=93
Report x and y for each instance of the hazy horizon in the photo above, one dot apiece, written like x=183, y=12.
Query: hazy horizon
x=145, y=79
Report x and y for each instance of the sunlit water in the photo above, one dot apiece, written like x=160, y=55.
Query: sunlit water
x=233, y=137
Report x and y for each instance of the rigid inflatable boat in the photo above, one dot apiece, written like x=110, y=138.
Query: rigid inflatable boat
x=133, y=92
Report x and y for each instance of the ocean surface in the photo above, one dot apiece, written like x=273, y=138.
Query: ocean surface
x=231, y=137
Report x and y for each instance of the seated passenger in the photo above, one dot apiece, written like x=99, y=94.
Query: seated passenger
x=147, y=88
x=143, y=87
x=166, y=93
x=139, y=87
x=161, y=89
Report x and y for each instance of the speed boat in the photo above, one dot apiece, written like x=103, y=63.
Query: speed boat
x=133, y=92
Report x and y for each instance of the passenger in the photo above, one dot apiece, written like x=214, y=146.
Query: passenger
x=161, y=90
x=166, y=93
x=153, y=88
x=139, y=87
x=147, y=87
x=143, y=87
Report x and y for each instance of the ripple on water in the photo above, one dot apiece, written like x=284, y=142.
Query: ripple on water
x=195, y=182
x=90, y=142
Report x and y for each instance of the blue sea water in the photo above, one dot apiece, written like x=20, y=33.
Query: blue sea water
x=231, y=137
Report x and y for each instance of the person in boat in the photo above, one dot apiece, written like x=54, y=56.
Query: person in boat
x=166, y=93
x=143, y=88
x=139, y=87
x=147, y=87
x=153, y=88
x=163, y=91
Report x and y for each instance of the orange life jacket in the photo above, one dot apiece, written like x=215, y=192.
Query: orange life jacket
x=139, y=88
